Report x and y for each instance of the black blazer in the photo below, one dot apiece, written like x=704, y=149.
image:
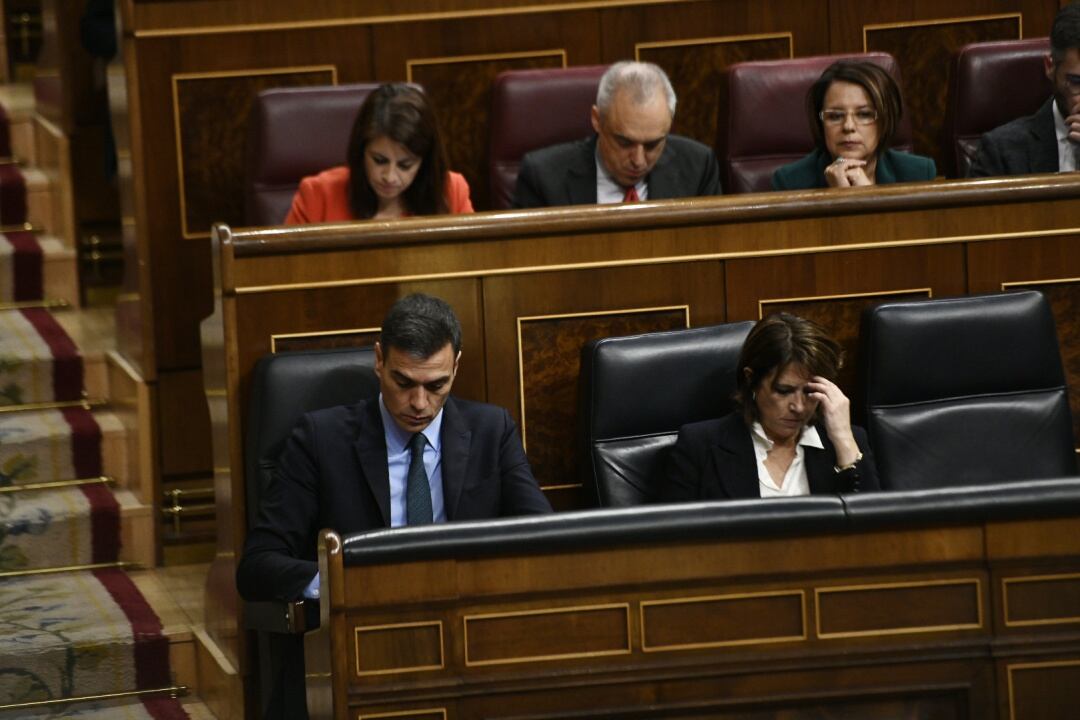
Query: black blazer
x=333, y=473
x=714, y=460
x=1025, y=145
x=566, y=174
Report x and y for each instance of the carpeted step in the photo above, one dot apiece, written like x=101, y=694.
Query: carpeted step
x=59, y=527
x=18, y=103
x=38, y=360
x=49, y=445
x=76, y=634
x=35, y=267
x=13, y=195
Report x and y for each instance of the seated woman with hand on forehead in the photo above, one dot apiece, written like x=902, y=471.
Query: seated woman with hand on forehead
x=396, y=167
x=854, y=109
x=792, y=434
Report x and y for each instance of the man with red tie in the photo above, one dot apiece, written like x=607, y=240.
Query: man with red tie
x=632, y=157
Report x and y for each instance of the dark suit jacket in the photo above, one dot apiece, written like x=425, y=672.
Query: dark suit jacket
x=1025, y=145
x=893, y=166
x=333, y=473
x=566, y=174
x=714, y=460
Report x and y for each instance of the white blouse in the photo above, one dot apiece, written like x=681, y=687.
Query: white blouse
x=795, y=480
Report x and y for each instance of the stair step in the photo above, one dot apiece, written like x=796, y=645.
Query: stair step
x=40, y=199
x=77, y=634
x=18, y=101
x=39, y=363
x=37, y=446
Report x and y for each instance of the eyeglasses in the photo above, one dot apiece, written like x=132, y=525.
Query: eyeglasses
x=864, y=116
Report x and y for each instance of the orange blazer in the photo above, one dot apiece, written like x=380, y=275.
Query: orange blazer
x=325, y=197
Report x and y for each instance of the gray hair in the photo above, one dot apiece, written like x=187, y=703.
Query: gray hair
x=644, y=80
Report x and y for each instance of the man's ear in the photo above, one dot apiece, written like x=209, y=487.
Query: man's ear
x=378, y=358
x=594, y=116
x=1048, y=66
x=457, y=359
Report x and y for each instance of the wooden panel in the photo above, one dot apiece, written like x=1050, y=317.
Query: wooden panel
x=211, y=111
x=398, y=648
x=460, y=92
x=295, y=342
x=1051, y=265
x=549, y=354
x=590, y=292
x=899, y=608
x=545, y=635
x=1043, y=690
x=695, y=67
x=457, y=59
x=1041, y=600
x=185, y=448
x=431, y=714
x=923, y=51
x=723, y=620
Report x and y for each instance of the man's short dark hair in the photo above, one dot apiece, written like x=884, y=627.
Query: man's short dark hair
x=420, y=325
x=1065, y=32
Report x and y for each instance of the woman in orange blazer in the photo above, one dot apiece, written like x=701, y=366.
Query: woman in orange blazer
x=396, y=167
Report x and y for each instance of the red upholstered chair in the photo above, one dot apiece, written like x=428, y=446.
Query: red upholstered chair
x=762, y=121
x=992, y=83
x=292, y=133
x=531, y=109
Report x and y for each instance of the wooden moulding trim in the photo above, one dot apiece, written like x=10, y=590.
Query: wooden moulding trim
x=333, y=237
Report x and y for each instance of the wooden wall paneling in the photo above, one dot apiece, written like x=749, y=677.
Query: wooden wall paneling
x=695, y=68
x=456, y=60
x=179, y=267
x=1051, y=265
x=694, y=42
x=1043, y=688
x=537, y=324
x=210, y=111
x=827, y=288
x=924, y=50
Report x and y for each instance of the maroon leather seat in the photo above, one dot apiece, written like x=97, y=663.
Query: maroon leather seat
x=992, y=83
x=762, y=121
x=531, y=109
x=292, y=133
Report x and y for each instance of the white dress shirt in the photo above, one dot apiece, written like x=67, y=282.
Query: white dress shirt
x=1067, y=149
x=796, y=481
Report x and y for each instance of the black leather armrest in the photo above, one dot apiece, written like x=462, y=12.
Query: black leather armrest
x=276, y=616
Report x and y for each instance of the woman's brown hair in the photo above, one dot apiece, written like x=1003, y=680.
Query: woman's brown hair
x=774, y=343
x=401, y=113
x=880, y=87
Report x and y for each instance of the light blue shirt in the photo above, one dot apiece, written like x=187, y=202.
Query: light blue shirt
x=609, y=192
x=397, y=461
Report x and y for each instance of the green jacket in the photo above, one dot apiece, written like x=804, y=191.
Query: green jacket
x=892, y=167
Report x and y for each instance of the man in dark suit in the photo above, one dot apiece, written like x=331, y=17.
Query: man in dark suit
x=1049, y=140
x=414, y=455
x=631, y=157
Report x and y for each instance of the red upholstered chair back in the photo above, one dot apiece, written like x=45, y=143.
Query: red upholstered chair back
x=992, y=83
x=762, y=121
x=531, y=109
x=292, y=133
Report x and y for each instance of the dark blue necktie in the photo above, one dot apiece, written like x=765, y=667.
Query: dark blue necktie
x=417, y=490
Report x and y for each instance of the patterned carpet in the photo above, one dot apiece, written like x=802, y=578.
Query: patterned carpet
x=65, y=633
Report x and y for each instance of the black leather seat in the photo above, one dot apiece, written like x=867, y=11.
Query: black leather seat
x=637, y=391
x=284, y=387
x=965, y=391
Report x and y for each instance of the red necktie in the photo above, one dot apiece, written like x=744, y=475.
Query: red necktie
x=631, y=195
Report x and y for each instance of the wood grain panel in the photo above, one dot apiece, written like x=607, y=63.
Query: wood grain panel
x=457, y=59
x=695, y=623
x=1051, y=265
x=296, y=342
x=1064, y=298
x=460, y=92
x=695, y=67
x=546, y=635
x=1041, y=600
x=923, y=52
x=211, y=120
x=433, y=714
x=900, y=608
x=1043, y=690
x=841, y=316
x=398, y=648
x=549, y=354
x=507, y=298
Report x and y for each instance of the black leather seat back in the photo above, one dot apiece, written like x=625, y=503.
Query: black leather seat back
x=286, y=385
x=966, y=391
x=637, y=391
